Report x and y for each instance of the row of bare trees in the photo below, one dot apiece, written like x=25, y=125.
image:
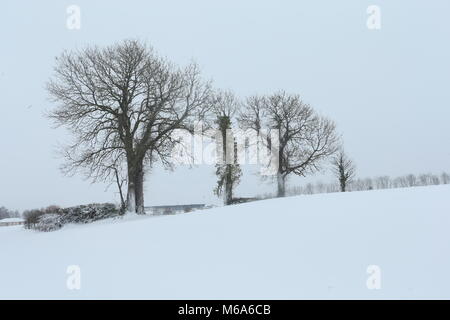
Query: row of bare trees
x=304, y=138
x=377, y=183
x=123, y=102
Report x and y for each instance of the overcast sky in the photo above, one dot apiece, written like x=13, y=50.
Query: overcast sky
x=387, y=89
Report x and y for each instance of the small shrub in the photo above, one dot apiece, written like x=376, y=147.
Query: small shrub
x=48, y=222
x=168, y=211
x=32, y=217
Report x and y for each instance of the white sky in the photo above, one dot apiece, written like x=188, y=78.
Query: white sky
x=387, y=90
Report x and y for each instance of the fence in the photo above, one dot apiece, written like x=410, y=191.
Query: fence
x=173, y=209
x=7, y=224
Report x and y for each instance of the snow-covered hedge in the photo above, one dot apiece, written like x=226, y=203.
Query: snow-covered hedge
x=48, y=222
x=89, y=213
x=41, y=221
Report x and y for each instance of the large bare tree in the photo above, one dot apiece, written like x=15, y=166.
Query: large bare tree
x=121, y=103
x=305, y=137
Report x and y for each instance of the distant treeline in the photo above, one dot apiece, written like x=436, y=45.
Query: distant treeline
x=362, y=184
x=6, y=213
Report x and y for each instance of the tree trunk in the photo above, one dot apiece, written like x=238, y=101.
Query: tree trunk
x=281, y=179
x=228, y=157
x=139, y=185
x=135, y=196
x=228, y=192
x=131, y=196
x=343, y=185
x=342, y=179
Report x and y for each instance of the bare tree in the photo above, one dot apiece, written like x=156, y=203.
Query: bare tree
x=309, y=188
x=333, y=187
x=445, y=178
x=224, y=108
x=368, y=184
x=321, y=187
x=424, y=179
x=435, y=180
x=383, y=182
x=305, y=138
x=122, y=103
x=411, y=180
x=343, y=168
x=116, y=174
x=356, y=185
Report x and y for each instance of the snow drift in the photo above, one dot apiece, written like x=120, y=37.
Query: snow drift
x=317, y=246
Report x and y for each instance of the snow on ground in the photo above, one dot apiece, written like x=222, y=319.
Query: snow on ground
x=315, y=246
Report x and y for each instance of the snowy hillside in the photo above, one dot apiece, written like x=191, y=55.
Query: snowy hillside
x=302, y=247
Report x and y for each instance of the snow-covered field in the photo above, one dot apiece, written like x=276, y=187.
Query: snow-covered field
x=301, y=247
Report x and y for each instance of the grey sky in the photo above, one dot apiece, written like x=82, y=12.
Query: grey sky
x=387, y=90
